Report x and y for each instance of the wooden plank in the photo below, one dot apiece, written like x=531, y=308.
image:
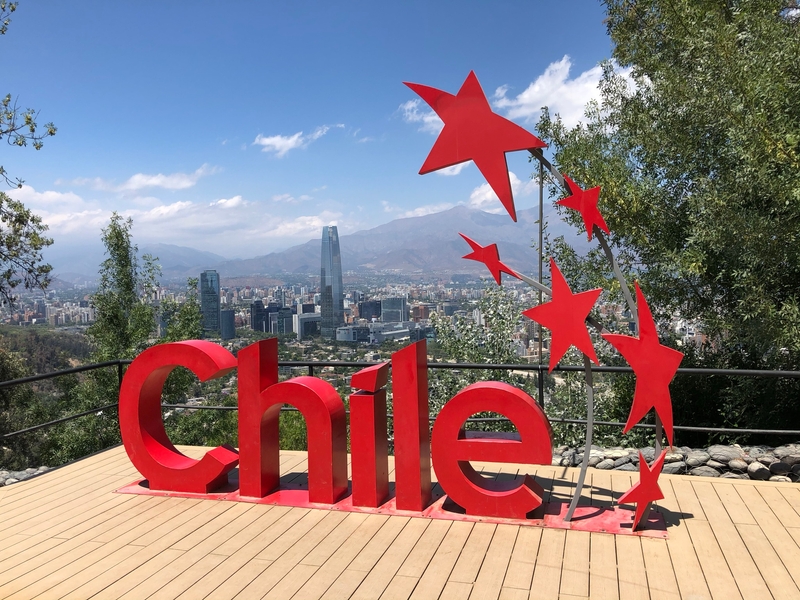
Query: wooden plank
x=631, y=568
x=387, y=567
x=549, y=561
x=519, y=574
x=230, y=587
x=246, y=547
x=345, y=585
x=603, y=575
x=294, y=580
x=772, y=569
x=792, y=495
x=687, y=499
x=575, y=565
x=688, y=573
x=418, y=559
x=602, y=491
x=660, y=575
x=472, y=555
x=173, y=588
x=334, y=566
x=776, y=533
x=399, y=588
x=748, y=579
x=779, y=505
x=332, y=542
x=495, y=564
x=507, y=593
x=456, y=590
x=436, y=575
x=718, y=575
x=737, y=510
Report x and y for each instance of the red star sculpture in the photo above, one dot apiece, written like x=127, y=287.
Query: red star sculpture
x=646, y=490
x=489, y=256
x=585, y=202
x=473, y=132
x=565, y=317
x=654, y=365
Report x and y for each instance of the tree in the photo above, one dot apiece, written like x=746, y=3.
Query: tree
x=22, y=236
x=699, y=163
x=124, y=316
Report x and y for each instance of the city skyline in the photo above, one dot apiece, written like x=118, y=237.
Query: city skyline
x=297, y=115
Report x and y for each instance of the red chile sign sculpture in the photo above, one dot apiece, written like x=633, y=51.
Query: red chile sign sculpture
x=471, y=132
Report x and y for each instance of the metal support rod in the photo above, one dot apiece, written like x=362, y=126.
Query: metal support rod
x=589, y=429
x=541, y=273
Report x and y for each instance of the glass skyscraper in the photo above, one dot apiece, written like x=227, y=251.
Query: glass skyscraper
x=209, y=301
x=330, y=283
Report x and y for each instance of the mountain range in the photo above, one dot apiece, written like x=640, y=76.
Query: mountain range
x=411, y=246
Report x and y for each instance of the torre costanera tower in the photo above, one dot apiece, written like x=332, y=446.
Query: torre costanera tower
x=330, y=282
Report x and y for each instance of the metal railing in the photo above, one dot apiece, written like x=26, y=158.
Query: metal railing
x=540, y=369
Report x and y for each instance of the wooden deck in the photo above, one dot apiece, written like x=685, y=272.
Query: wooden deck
x=66, y=534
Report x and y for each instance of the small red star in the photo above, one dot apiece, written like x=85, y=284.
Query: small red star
x=646, y=490
x=489, y=256
x=473, y=132
x=565, y=317
x=654, y=365
x=585, y=202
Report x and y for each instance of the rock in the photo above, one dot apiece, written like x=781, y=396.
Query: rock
x=627, y=467
x=595, y=460
x=11, y=480
x=43, y=469
x=767, y=459
x=738, y=464
x=648, y=453
x=714, y=464
x=605, y=464
x=685, y=450
x=781, y=478
x=733, y=476
x=779, y=468
x=724, y=454
x=556, y=461
x=31, y=471
x=560, y=450
x=758, y=471
x=786, y=450
x=674, y=468
x=672, y=457
x=704, y=471
x=697, y=458
x=615, y=454
x=792, y=459
x=622, y=461
x=796, y=469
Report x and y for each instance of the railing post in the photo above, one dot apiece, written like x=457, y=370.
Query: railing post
x=119, y=375
x=310, y=370
x=540, y=384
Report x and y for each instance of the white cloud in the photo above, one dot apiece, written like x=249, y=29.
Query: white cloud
x=454, y=170
x=139, y=181
x=427, y=210
x=484, y=198
x=303, y=226
x=289, y=199
x=46, y=200
x=429, y=121
x=281, y=144
x=229, y=202
x=553, y=88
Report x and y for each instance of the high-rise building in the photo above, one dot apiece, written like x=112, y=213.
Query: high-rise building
x=227, y=324
x=330, y=283
x=394, y=310
x=209, y=300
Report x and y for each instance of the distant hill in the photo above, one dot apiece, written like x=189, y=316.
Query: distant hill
x=414, y=245
x=418, y=244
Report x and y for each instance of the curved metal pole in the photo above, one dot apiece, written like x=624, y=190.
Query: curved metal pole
x=587, y=364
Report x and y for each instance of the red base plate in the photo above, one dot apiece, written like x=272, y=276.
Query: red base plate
x=616, y=520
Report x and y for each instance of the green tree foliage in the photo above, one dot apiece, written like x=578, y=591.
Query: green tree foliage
x=699, y=163
x=465, y=340
x=22, y=236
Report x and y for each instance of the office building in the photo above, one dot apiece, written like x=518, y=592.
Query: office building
x=209, y=300
x=331, y=288
x=227, y=324
x=394, y=310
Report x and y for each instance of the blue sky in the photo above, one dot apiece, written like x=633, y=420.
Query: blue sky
x=244, y=127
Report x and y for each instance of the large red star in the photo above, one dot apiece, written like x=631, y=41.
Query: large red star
x=654, y=365
x=585, y=202
x=473, y=132
x=489, y=256
x=565, y=317
x=646, y=490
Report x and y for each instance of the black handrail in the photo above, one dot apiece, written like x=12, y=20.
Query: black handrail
x=120, y=363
